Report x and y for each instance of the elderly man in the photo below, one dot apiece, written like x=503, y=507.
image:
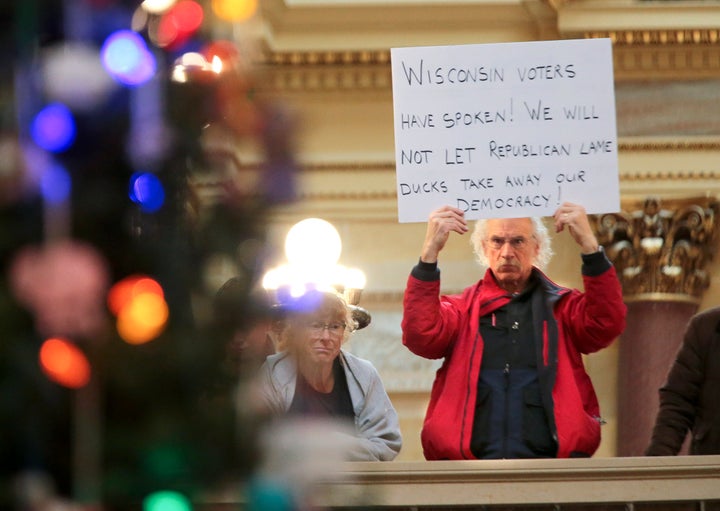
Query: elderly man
x=512, y=383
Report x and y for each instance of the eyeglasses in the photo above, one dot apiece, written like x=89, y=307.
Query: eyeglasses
x=517, y=243
x=335, y=328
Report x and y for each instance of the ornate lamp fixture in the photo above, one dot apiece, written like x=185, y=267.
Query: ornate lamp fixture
x=661, y=251
x=312, y=248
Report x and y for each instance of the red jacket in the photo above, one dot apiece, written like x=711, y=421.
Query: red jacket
x=448, y=327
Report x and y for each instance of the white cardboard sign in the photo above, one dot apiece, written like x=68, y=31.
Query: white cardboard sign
x=505, y=130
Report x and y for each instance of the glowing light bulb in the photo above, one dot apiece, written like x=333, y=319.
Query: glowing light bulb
x=355, y=279
x=313, y=243
x=64, y=363
x=224, y=50
x=55, y=184
x=123, y=291
x=216, y=65
x=192, y=59
x=166, y=501
x=234, y=10
x=157, y=6
x=126, y=58
x=147, y=190
x=188, y=16
x=53, y=128
x=275, y=277
x=143, y=318
x=179, y=23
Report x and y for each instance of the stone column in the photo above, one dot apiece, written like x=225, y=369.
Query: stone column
x=660, y=250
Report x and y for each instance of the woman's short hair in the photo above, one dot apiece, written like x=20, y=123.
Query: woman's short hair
x=540, y=233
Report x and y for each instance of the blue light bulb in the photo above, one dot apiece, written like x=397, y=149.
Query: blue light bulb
x=147, y=190
x=53, y=128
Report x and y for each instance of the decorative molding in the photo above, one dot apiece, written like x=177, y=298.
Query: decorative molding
x=619, y=38
x=377, y=166
x=662, y=54
x=346, y=196
x=670, y=175
x=637, y=55
x=327, y=70
x=669, y=145
x=326, y=58
x=665, y=37
x=661, y=247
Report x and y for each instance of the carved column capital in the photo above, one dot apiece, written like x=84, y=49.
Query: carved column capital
x=660, y=247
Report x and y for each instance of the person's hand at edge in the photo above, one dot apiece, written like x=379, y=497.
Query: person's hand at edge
x=574, y=217
x=441, y=222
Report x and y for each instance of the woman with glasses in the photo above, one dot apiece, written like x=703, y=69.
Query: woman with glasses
x=313, y=377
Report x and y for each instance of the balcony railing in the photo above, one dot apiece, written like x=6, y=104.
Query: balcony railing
x=682, y=483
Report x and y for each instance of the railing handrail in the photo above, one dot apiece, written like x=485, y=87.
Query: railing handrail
x=504, y=482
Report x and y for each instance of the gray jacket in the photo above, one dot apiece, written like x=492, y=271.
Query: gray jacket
x=376, y=421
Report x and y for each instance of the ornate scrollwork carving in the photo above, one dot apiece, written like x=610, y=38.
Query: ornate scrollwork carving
x=660, y=247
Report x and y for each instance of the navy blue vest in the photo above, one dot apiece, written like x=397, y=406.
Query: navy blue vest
x=510, y=419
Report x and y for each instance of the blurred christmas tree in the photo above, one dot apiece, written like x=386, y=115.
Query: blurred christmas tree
x=109, y=111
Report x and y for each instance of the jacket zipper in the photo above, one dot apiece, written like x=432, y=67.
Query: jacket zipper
x=506, y=419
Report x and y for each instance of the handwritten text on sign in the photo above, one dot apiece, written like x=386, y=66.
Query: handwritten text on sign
x=505, y=130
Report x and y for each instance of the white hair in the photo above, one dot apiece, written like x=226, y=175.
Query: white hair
x=540, y=233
